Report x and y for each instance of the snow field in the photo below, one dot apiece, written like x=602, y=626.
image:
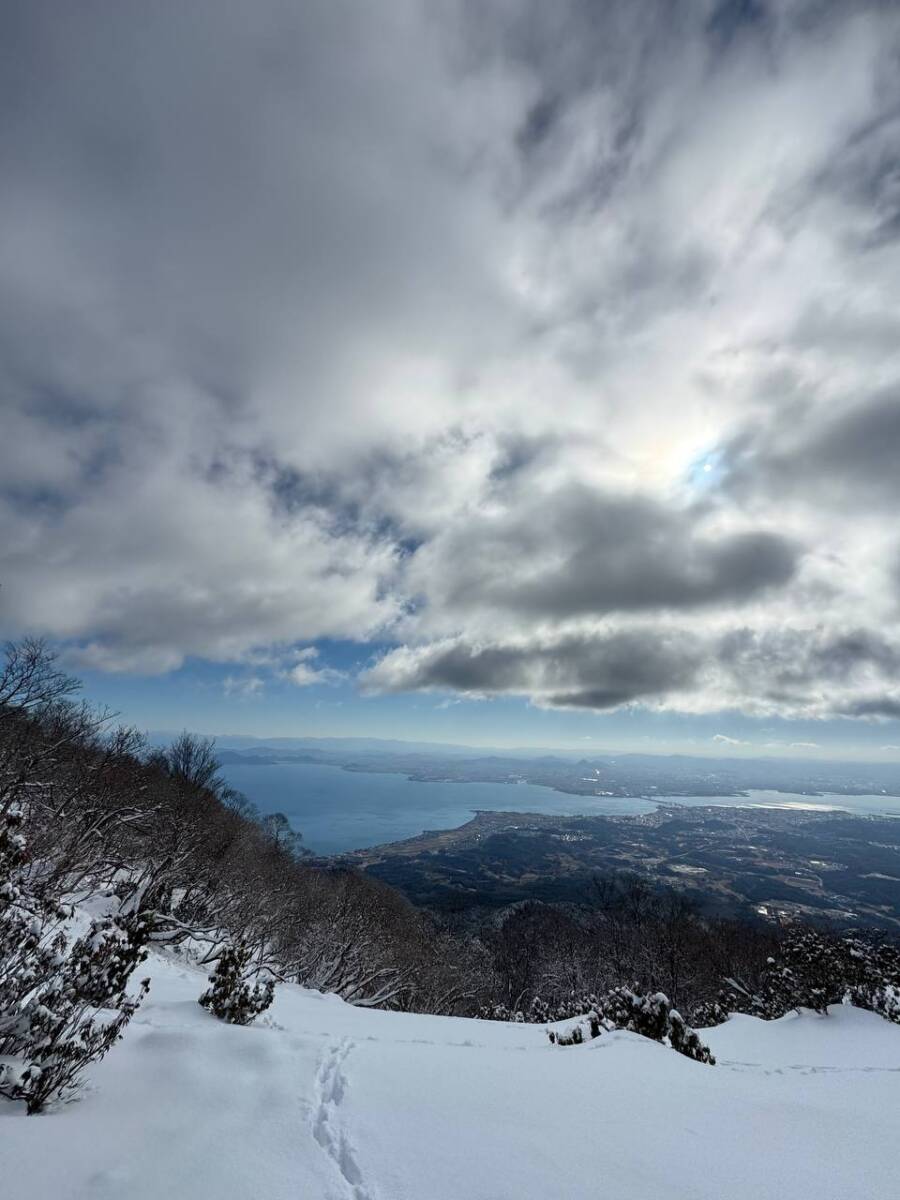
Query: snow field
x=323, y=1101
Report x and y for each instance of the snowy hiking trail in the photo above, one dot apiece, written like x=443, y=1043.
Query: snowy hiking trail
x=327, y=1130
x=322, y=1101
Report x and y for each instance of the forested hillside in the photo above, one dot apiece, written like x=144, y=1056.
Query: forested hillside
x=161, y=855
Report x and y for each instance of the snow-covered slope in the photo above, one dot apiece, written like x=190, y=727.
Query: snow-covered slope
x=323, y=1100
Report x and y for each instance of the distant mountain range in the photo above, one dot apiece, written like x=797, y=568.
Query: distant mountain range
x=577, y=774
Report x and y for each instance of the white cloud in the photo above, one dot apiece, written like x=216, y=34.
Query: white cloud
x=245, y=687
x=304, y=672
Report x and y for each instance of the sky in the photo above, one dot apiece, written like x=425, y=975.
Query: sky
x=505, y=373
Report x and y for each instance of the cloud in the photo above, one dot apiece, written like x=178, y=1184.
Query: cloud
x=725, y=740
x=246, y=687
x=601, y=672
x=415, y=326
x=841, y=454
x=809, y=672
x=209, y=237
x=577, y=551
x=157, y=562
x=304, y=675
x=884, y=707
x=304, y=672
x=797, y=673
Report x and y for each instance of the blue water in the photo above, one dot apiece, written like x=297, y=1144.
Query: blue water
x=338, y=810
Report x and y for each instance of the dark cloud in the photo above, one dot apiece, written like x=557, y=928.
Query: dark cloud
x=887, y=707
x=794, y=664
x=864, y=175
x=819, y=672
x=538, y=124
x=601, y=672
x=578, y=551
x=798, y=672
x=733, y=19
x=847, y=333
x=842, y=453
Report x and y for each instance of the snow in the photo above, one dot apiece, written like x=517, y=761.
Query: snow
x=323, y=1100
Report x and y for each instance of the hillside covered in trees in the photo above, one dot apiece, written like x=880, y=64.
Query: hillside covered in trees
x=166, y=857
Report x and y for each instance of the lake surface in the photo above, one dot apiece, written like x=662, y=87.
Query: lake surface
x=338, y=810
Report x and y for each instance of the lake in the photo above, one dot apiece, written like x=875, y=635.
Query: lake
x=338, y=810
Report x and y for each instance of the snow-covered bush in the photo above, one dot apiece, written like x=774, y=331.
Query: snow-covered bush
x=686, y=1040
x=708, y=1013
x=809, y=972
x=873, y=976
x=52, y=993
x=813, y=968
x=622, y=1008
x=651, y=1016
x=568, y=1037
x=31, y=940
x=60, y=1032
x=884, y=1000
x=499, y=1012
x=540, y=1011
x=232, y=994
